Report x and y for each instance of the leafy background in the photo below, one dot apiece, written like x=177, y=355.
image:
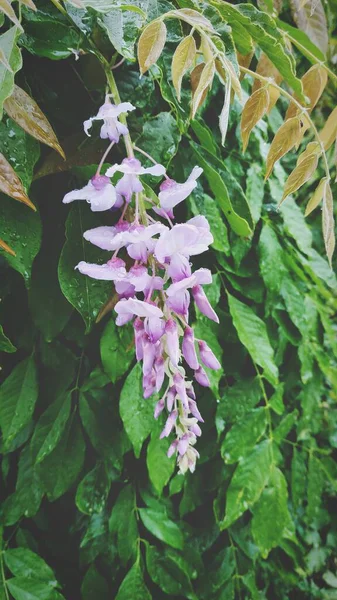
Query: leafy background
x=91, y=506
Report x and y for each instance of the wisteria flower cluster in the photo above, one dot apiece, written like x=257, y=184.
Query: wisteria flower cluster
x=155, y=292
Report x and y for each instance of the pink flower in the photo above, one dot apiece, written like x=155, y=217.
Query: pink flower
x=183, y=239
x=111, y=129
x=113, y=270
x=172, y=193
x=99, y=193
x=132, y=169
x=199, y=277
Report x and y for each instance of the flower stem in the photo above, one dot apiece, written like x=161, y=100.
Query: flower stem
x=117, y=100
x=103, y=158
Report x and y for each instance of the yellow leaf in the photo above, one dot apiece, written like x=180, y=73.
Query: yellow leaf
x=316, y=197
x=6, y=248
x=254, y=109
x=182, y=61
x=205, y=81
x=151, y=44
x=328, y=223
x=24, y=111
x=229, y=69
x=244, y=60
x=11, y=185
x=7, y=9
x=312, y=148
x=314, y=82
x=329, y=132
x=300, y=175
x=266, y=68
x=285, y=139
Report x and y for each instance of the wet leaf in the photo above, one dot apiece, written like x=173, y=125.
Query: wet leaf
x=7, y=9
x=5, y=344
x=12, y=55
x=24, y=111
x=254, y=109
x=6, y=248
x=285, y=139
x=316, y=197
x=151, y=44
x=182, y=61
x=11, y=185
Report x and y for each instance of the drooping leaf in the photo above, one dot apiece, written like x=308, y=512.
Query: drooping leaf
x=285, y=139
x=162, y=528
x=271, y=261
x=11, y=185
x=237, y=401
x=22, y=562
x=50, y=428
x=270, y=514
x=18, y=396
x=159, y=466
x=248, y=482
x=183, y=60
x=133, y=586
x=24, y=111
x=7, y=9
x=85, y=294
x=328, y=134
x=313, y=23
x=314, y=82
x=300, y=175
x=122, y=26
x=94, y=585
x=316, y=480
x=204, y=83
x=151, y=44
x=253, y=335
x=123, y=522
x=32, y=589
x=316, y=197
x=266, y=68
x=167, y=574
x=303, y=42
x=328, y=222
x=224, y=115
x=93, y=490
x=12, y=55
x=254, y=109
x=135, y=411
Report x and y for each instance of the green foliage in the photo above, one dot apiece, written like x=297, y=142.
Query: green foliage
x=91, y=506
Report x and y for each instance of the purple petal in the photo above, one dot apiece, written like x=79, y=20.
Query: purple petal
x=188, y=348
x=203, y=304
x=208, y=357
x=201, y=377
x=172, y=342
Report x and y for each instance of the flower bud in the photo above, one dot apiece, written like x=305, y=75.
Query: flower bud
x=172, y=342
x=201, y=377
x=208, y=357
x=188, y=348
x=203, y=304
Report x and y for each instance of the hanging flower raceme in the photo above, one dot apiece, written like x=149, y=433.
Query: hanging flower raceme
x=155, y=292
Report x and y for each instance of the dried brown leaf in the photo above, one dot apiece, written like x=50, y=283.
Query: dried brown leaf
x=285, y=139
x=266, y=68
x=328, y=223
x=300, y=175
x=254, y=109
x=182, y=61
x=6, y=248
x=11, y=185
x=151, y=44
x=204, y=83
x=329, y=132
x=316, y=197
x=24, y=111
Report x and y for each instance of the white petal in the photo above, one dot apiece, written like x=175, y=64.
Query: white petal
x=175, y=194
x=87, y=125
x=101, y=236
x=82, y=194
x=137, y=307
x=199, y=221
x=102, y=272
x=112, y=170
x=157, y=170
x=103, y=199
x=196, y=172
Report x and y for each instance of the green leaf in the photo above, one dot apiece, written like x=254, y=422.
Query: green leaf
x=264, y=31
x=31, y=589
x=12, y=54
x=5, y=343
x=276, y=400
x=296, y=225
x=25, y=563
x=87, y=295
x=160, y=138
x=270, y=514
x=117, y=349
x=28, y=494
x=122, y=27
x=133, y=586
x=20, y=149
x=21, y=230
x=248, y=482
x=237, y=401
x=242, y=437
x=162, y=528
x=123, y=522
x=167, y=574
x=205, y=136
x=50, y=428
x=208, y=332
x=18, y=396
x=136, y=412
x=93, y=490
x=271, y=262
x=49, y=34
x=60, y=469
x=207, y=206
x=253, y=334
x=159, y=466
x=316, y=480
x=219, y=572
x=255, y=191
x=50, y=310
x=94, y=586
x=298, y=477
x=302, y=42
x=287, y=423
x=226, y=190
